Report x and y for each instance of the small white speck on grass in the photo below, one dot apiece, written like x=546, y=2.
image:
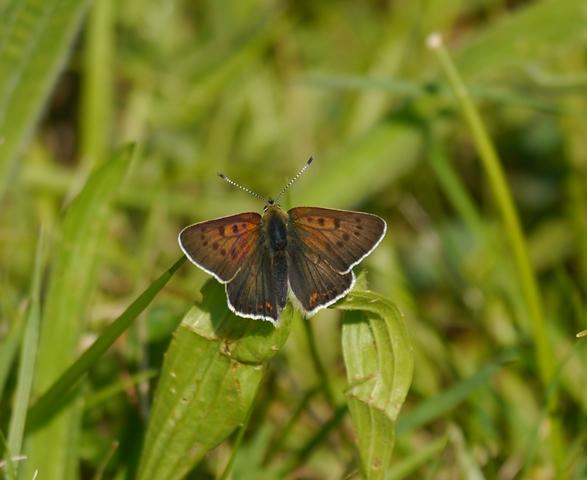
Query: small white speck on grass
x=434, y=41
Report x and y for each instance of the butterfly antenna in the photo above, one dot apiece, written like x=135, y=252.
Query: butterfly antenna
x=296, y=176
x=234, y=184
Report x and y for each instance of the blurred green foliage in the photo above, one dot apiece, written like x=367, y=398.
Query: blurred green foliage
x=253, y=88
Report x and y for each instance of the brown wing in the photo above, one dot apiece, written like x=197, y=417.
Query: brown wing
x=259, y=289
x=221, y=246
x=339, y=237
x=313, y=281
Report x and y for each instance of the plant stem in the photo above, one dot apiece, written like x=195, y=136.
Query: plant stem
x=513, y=231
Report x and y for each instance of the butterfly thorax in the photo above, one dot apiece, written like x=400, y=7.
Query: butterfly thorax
x=275, y=225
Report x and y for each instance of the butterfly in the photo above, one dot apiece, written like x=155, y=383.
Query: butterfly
x=309, y=251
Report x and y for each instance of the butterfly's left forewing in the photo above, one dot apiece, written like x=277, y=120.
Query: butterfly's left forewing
x=220, y=247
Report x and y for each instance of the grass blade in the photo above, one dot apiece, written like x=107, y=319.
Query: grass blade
x=51, y=401
x=52, y=449
x=28, y=355
x=97, y=87
x=422, y=456
x=9, y=350
x=379, y=360
x=440, y=405
x=210, y=376
x=35, y=40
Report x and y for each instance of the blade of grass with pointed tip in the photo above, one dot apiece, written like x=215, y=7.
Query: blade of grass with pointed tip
x=379, y=360
x=52, y=399
x=35, y=38
x=52, y=448
x=28, y=355
x=210, y=376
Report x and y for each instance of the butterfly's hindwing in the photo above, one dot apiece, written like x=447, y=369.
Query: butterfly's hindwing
x=339, y=237
x=314, y=283
x=220, y=247
x=259, y=289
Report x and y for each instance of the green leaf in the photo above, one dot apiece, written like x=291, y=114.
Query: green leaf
x=379, y=361
x=210, y=376
x=52, y=449
x=35, y=38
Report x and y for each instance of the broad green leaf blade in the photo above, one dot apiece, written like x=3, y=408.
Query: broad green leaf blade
x=28, y=355
x=379, y=360
x=52, y=449
x=35, y=40
x=209, y=379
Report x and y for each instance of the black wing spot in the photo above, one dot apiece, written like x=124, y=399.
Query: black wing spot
x=345, y=237
x=215, y=245
x=235, y=228
x=321, y=222
x=336, y=223
x=223, y=252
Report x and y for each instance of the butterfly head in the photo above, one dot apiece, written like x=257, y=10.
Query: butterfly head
x=270, y=204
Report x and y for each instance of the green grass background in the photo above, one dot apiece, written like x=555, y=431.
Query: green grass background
x=484, y=192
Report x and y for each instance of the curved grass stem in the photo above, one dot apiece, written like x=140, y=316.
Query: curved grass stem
x=514, y=234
